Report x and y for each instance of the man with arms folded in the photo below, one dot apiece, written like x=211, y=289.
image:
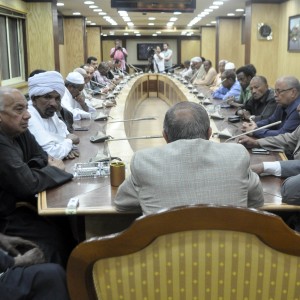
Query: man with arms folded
x=45, y=91
x=290, y=169
x=190, y=169
x=261, y=104
x=73, y=100
x=287, y=96
x=26, y=170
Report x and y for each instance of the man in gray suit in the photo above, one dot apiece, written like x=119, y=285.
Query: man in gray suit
x=190, y=169
x=290, y=169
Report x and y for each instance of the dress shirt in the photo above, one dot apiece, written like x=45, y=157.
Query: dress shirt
x=224, y=93
x=207, y=79
x=159, y=64
x=290, y=123
x=272, y=168
x=167, y=53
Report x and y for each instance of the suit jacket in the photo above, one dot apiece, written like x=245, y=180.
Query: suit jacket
x=189, y=172
x=290, y=144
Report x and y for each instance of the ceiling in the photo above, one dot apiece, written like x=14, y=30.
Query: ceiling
x=140, y=19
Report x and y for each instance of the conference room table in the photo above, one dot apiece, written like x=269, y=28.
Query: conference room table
x=96, y=195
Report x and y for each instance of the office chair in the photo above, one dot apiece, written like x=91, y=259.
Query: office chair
x=192, y=252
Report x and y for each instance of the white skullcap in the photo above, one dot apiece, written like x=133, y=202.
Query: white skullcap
x=229, y=66
x=75, y=77
x=80, y=71
x=196, y=59
x=46, y=82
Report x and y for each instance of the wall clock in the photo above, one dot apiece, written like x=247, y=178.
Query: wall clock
x=264, y=32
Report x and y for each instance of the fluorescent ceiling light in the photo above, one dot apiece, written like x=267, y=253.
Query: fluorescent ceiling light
x=88, y=2
x=60, y=4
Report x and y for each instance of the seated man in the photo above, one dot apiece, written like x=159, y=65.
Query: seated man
x=230, y=88
x=209, y=76
x=24, y=275
x=261, y=104
x=73, y=100
x=287, y=95
x=26, y=170
x=244, y=76
x=193, y=72
x=290, y=169
x=45, y=91
x=190, y=169
x=218, y=81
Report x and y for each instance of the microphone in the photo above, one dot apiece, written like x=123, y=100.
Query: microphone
x=173, y=68
x=95, y=92
x=99, y=84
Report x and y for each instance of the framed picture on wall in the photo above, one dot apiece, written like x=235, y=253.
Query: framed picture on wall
x=294, y=34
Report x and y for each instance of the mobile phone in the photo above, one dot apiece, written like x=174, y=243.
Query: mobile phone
x=81, y=129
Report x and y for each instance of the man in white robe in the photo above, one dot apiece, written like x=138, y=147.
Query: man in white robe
x=45, y=91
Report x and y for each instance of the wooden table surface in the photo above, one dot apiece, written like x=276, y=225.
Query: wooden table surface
x=96, y=194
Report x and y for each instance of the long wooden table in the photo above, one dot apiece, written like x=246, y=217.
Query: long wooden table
x=96, y=194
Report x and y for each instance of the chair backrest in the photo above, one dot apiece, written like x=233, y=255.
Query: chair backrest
x=192, y=252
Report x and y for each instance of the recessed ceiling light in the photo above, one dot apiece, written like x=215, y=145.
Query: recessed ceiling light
x=170, y=24
x=173, y=19
x=93, y=6
x=105, y=34
x=177, y=13
x=208, y=10
x=102, y=13
x=214, y=7
x=93, y=24
x=97, y=9
x=76, y=13
x=126, y=19
x=88, y=2
x=126, y=33
x=60, y=4
x=89, y=21
x=218, y=3
x=150, y=24
x=154, y=34
x=239, y=9
x=158, y=32
x=151, y=18
x=213, y=22
x=230, y=15
x=130, y=24
x=138, y=34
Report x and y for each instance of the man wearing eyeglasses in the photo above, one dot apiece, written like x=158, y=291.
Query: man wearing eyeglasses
x=287, y=96
x=45, y=92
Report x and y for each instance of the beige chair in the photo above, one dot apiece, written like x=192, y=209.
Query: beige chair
x=192, y=252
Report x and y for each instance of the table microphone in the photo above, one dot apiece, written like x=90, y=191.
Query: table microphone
x=97, y=83
x=254, y=130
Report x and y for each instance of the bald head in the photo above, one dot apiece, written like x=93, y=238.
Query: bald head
x=186, y=120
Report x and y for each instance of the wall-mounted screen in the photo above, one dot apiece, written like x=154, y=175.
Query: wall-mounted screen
x=145, y=50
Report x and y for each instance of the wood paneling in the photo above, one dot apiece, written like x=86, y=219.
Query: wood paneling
x=106, y=46
x=264, y=53
x=94, y=42
x=189, y=49
x=40, y=44
x=17, y=5
x=230, y=41
x=208, y=44
x=74, y=43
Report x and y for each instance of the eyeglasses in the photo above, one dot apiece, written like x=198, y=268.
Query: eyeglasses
x=278, y=91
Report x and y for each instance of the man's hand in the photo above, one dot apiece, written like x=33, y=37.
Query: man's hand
x=244, y=114
x=258, y=168
x=74, y=138
x=58, y=163
x=248, y=142
x=248, y=126
x=72, y=154
x=29, y=258
x=231, y=102
x=12, y=243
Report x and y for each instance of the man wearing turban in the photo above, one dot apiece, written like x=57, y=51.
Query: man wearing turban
x=45, y=91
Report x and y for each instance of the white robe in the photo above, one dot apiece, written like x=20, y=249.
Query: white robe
x=50, y=133
x=75, y=108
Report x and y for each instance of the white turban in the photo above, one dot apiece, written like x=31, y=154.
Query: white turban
x=46, y=82
x=75, y=77
x=196, y=59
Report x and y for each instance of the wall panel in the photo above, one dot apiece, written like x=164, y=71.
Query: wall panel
x=230, y=41
x=40, y=43
x=94, y=42
x=190, y=49
x=208, y=44
x=74, y=43
x=17, y=5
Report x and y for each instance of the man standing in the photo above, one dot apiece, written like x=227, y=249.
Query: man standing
x=167, y=53
x=261, y=104
x=287, y=95
x=26, y=170
x=45, y=91
x=187, y=170
x=158, y=61
x=120, y=53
